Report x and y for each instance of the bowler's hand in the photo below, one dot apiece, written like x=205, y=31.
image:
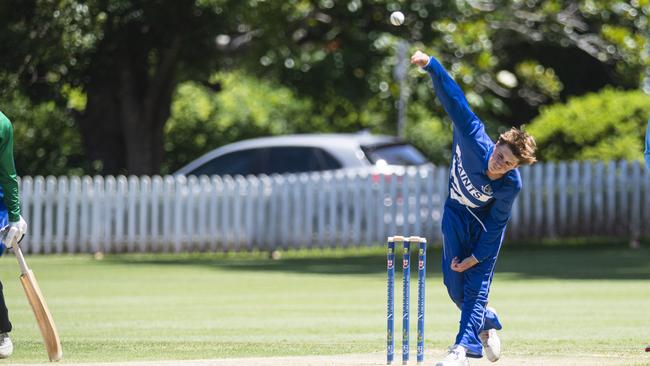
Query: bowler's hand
x=420, y=58
x=466, y=264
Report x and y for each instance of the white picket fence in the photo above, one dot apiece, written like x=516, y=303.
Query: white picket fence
x=338, y=208
x=583, y=199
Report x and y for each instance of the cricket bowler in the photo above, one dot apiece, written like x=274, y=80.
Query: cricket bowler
x=483, y=184
x=9, y=215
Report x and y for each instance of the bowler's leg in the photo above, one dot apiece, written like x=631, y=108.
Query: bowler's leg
x=491, y=320
x=452, y=246
x=477, y=288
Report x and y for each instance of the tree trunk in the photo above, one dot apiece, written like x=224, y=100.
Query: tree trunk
x=145, y=112
x=127, y=109
x=101, y=131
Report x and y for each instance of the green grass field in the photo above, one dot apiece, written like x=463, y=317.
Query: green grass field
x=557, y=301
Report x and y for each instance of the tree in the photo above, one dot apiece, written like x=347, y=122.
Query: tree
x=511, y=57
x=608, y=125
x=45, y=139
x=202, y=119
x=128, y=57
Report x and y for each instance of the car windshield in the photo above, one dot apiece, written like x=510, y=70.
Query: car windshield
x=395, y=154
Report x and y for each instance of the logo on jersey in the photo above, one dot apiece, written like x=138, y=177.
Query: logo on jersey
x=487, y=189
x=460, y=178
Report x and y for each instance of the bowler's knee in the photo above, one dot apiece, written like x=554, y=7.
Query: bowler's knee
x=455, y=293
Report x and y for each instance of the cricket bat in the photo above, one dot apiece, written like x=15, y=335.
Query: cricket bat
x=41, y=311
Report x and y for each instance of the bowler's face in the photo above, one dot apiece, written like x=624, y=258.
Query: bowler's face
x=502, y=160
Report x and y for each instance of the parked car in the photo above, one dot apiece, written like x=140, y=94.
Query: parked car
x=312, y=153
x=305, y=153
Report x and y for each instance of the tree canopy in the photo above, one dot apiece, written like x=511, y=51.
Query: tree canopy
x=599, y=126
x=114, y=67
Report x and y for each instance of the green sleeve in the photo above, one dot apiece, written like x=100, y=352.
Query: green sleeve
x=8, y=177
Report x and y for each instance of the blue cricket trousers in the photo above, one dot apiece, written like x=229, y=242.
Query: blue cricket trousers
x=469, y=290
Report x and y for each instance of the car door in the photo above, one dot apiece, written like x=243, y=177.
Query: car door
x=243, y=162
x=296, y=159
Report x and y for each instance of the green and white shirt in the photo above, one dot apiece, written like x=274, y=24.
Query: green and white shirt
x=8, y=177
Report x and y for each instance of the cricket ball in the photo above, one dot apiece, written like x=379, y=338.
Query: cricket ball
x=397, y=18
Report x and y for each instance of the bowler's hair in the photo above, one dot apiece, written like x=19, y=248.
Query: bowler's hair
x=521, y=144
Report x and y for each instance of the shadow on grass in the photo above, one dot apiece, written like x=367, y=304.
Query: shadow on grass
x=577, y=263
x=562, y=262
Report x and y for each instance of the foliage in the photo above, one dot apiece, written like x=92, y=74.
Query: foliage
x=46, y=141
x=202, y=120
x=45, y=46
x=553, y=50
x=429, y=134
x=124, y=59
x=597, y=126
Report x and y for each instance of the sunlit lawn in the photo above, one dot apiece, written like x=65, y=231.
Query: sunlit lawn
x=146, y=307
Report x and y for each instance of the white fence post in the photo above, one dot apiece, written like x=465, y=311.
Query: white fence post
x=598, y=192
x=156, y=196
x=121, y=217
x=27, y=199
x=307, y=234
x=48, y=227
x=381, y=207
x=562, y=199
x=215, y=203
x=144, y=213
x=342, y=231
x=420, y=175
x=109, y=215
x=550, y=188
x=369, y=208
x=624, y=214
x=392, y=200
x=442, y=183
x=575, y=189
x=37, y=228
x=587, y=198
x=73, y=218
x=332, y=190
x=357, y=209
x=180, y=194
x=611, y=197
x=646, y=205
x=249, y=212
x=635, y=210
x=525, y=197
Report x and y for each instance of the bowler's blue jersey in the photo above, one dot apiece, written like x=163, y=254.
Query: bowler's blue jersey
x=469, y=184
x=647, y=146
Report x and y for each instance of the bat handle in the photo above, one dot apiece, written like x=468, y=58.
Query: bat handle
x=21, y=260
